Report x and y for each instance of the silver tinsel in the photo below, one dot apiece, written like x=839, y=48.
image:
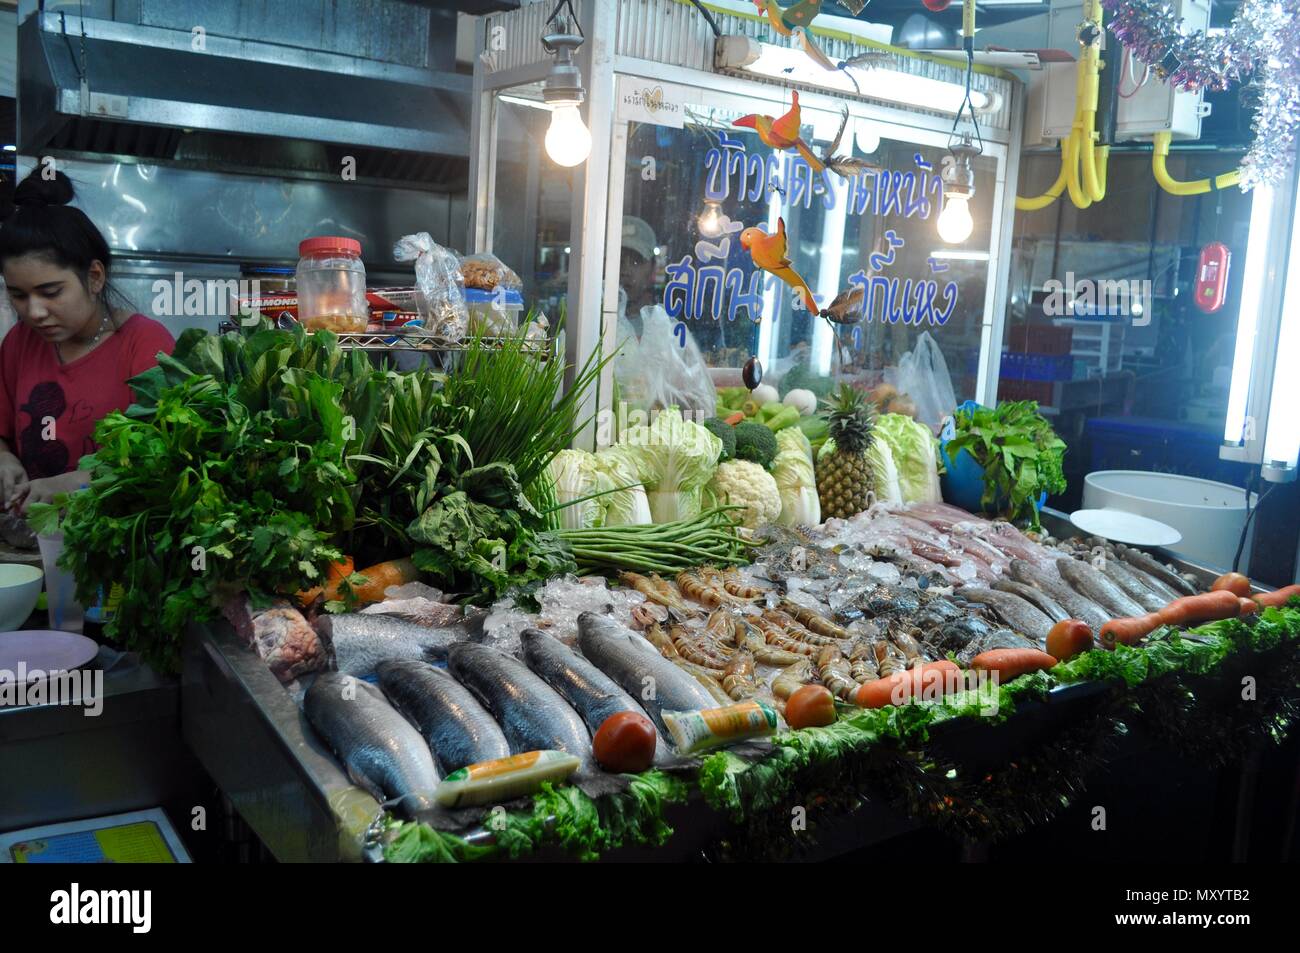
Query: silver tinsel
x=1262, y=44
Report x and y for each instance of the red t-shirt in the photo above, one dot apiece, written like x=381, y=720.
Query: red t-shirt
x=34, y=386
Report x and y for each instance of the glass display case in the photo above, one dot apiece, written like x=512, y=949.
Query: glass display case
x=665, y=228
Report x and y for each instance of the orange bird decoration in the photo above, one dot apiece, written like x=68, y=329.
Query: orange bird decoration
x=782, y=133
x=769, y=253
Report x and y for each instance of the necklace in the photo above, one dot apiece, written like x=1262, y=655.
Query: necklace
x=105, y=324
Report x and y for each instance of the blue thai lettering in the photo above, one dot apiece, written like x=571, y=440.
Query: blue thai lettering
x=891, y=199
x=717, y=179
x=679, y=292
x=950, y=297
x=704, y=275
x=739, y=296
x=862, y=193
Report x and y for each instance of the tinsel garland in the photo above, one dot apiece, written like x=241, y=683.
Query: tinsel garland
x=1262, y=42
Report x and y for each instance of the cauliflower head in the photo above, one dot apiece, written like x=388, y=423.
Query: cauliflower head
x=743, y=483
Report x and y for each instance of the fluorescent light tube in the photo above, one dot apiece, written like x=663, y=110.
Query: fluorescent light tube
x=1282, y=443
x=1252, y=290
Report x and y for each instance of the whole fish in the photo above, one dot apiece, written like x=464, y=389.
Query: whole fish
x=418, y=610
x=1013, y=610
x=1035, y=597
x=1123, y=576
x=642, y=672
x=593, y=694
x=997, y=639
x=458, y=730
x=1158, y=570
x=1080, y=607
x=380, y=750
x=532, y=715
x=1087, y=579
x=363, y=641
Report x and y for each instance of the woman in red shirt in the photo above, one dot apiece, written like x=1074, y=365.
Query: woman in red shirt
x=66, y=364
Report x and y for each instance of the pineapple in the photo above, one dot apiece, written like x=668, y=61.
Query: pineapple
x=844, y=476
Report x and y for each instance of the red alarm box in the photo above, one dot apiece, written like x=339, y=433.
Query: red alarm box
x=1212, y=277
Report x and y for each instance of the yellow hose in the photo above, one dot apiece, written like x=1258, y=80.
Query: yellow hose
x=1160, y=152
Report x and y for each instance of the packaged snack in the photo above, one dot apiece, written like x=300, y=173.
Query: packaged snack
x=441, y=298
x=503, y=779
x=694, y=731
x=488, y=272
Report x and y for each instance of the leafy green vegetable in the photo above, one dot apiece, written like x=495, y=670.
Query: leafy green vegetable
x=674, y=458
x=755, y=443
x=1020, y=453
x=912, y=448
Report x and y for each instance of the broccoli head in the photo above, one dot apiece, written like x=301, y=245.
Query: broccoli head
x=724, y=432
x=755, y=442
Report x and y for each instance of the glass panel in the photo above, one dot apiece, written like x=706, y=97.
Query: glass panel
x=1103, y=328
x=690, y=193
x=534, y=200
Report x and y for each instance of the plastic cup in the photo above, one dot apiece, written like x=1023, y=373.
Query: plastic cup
x=66, y=614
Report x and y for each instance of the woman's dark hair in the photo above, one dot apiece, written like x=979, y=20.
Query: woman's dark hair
x=43, y=223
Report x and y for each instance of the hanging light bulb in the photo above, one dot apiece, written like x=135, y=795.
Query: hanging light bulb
x=955, y=222
x=568, y=141
x=710, y=220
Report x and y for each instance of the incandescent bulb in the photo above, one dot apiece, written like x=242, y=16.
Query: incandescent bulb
x=867, y=137
x=955, y=223
x=710, y=220
x=568, y=142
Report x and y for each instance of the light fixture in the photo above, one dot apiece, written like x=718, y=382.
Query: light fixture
x=710, y=220
x=568, y=141
x=1282, y=442
x=790, y=65
x=867, y=136
x=955, y=222
x=1253, y=278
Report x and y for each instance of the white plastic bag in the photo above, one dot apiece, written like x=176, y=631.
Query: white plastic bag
x=659, y=371
x=441, y=288
x=922, y=374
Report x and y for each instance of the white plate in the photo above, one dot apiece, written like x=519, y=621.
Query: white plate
x=1121, y=527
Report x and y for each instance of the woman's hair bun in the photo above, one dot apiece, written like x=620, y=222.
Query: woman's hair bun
x=41, y=188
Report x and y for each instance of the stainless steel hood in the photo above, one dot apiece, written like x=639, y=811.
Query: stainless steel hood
x=129, y=88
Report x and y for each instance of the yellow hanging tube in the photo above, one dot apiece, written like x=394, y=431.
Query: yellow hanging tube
x=1160, y=152
x=1083, y=162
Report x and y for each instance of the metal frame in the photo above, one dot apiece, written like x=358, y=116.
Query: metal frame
x=593, y=283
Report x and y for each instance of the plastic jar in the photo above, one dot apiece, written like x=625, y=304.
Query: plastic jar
x=331, y=283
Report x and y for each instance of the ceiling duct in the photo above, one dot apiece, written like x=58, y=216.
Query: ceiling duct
x=165, y=92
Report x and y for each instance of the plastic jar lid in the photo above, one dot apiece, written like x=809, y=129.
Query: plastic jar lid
x=329, y=243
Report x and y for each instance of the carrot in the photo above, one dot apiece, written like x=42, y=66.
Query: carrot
x=1233, y=582
x=1009, y=663
x=904, y=685
x=379, y=577
x=1130, y=630
x=1206, y=607
x=1248, y=606
x=735, y=418
x=1277, y=598
x=339, y=569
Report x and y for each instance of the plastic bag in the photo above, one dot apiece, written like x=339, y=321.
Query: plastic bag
x=922, y=374
x=488, y=272
x=441, y=298
x=659, y=371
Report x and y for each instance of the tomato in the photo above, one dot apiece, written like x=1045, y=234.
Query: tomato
x=1233, y=582
x=625, y=743
x=811, y=706
x=1068, y=638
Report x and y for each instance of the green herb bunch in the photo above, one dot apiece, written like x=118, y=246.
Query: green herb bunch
x=1020, y=453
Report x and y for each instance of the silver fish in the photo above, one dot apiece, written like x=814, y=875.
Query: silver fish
x=532, y=715
x=1080, y=607
x=1091, y=582
x=418, y=610
x=1013, y=610
x=458, y=730
x=1161, y=572
x=642, y=672
x=1035, y=597
x=1144, y=595
x=363, y=641
x=382, y=752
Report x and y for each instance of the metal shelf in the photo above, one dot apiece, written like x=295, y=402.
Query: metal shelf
x=387, y=341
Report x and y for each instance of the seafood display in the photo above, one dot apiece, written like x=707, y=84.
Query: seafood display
x=458, y=730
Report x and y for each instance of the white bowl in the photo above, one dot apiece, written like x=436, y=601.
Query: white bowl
x=20, y=587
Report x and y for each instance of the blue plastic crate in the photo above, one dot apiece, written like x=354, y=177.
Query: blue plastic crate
x=1037, y=367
